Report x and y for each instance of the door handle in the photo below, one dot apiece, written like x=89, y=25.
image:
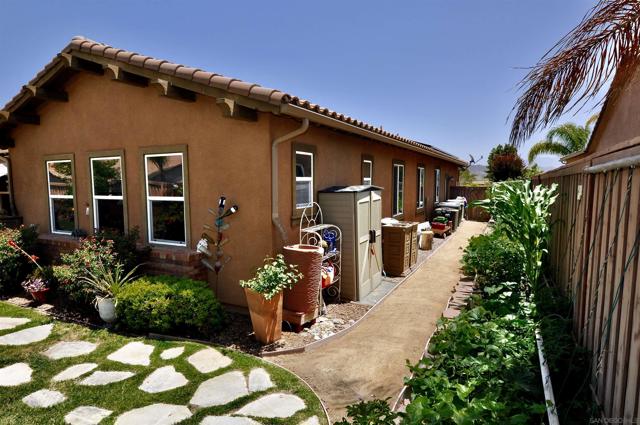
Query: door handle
x=372, y=236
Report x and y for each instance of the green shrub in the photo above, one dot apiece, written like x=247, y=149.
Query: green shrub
x=75, y=265
x=492, y=259
x=167, y=304
x=126, y=247
x=14, y=267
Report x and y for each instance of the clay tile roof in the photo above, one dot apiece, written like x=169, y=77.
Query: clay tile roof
x=242, y=88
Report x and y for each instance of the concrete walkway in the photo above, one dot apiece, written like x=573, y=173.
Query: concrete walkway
x=370, y=361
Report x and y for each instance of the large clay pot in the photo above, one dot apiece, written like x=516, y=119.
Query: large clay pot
x=303, y=296
x=266, y=316
x=107, y=309
x=40, y=296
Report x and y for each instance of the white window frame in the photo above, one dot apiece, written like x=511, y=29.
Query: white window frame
x=96, y=198
x=150, y=199
x=421, y=177
x=5, y=163
x=398, y=189
x=305, y=179
x=52, y=222
x=368, y=180
x=437, y=183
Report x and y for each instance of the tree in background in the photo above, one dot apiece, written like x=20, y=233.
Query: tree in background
x=504, y=163
x=532, y=170
x=466, y=177
x=563, y=140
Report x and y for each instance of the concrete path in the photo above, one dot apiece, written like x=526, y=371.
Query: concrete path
x=370, y=361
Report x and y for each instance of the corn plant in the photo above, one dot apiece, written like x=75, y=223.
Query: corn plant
x=522, y=213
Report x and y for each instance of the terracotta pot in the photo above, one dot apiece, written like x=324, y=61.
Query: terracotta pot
x=266, y=316
x=40, y=296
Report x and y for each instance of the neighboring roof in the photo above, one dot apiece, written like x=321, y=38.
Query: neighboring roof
x=250, y=90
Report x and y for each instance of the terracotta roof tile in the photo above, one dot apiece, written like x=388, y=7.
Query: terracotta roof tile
x=264, y=94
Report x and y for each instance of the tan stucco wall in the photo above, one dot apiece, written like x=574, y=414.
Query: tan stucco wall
x=225, y=156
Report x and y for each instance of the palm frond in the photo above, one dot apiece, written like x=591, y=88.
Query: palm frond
x=573, y=136
x=547, y=147
x=575, y=70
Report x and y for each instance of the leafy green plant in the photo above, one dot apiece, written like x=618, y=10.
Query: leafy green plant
x=107, y=282
x=125, y=246
x=492, y=259
x=370, y=412
x=168, y=304
x=14, y=267
x=273, y=277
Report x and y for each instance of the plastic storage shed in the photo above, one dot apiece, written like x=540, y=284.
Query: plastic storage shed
x=357, y=211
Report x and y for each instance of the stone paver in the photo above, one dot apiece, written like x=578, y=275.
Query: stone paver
x=65, y=349
x=12, y=322
x=259, y=380
x=134, y=353
x=273, y=406
x=171, y=353
x=220, y=390
x=15, y=374
x=209, y=360
x=163, y=379
x=86, y=415
x=75, y=371
x=311, y=421
x=104, y=378
x=27, y=336
x=44, y=398
x=228, y=420
x=155, y=414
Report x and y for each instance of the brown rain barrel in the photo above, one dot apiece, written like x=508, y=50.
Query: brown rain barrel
x=303, y=297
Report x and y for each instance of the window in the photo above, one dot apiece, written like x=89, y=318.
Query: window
x=61, y=202
x=5, y=194
x=304, y=179
x=437, y=188
x=108, y=199
x=398, y=189
x=164, y=175
x=420, y=187
x=367, y=171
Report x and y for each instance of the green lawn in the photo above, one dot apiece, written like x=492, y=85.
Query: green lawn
x=123, y=396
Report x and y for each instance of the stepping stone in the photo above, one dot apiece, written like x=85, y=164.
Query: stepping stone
x=134, y=353
x=104, y=378
x=75, y=371
x=156, y=414
x=163, y=379
x=12, y=322
x=15, y=374
x=450, y=313
x=273, y=406
x=65, y=349
x=27, y=336
x=208, y=360
x=311, y=421
x=220, y=390
x=171, y=353
x=44, y=398
x=228, y=420
x=259, y=380
x=86, y=415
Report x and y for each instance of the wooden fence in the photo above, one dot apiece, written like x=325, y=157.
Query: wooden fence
x=594, y=258
x=472, y=193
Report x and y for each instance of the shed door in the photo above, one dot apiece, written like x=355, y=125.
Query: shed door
x=376, y=224
x=363, y=218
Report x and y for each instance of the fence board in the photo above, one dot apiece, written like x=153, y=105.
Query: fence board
x=472, y=193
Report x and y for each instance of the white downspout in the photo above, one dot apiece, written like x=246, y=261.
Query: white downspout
x=275, y=215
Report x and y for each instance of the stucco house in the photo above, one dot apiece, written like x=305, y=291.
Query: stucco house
x=104, y=137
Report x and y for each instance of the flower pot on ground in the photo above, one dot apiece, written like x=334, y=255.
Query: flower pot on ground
x=107, y=309
x=264, y=297
x=38, y=288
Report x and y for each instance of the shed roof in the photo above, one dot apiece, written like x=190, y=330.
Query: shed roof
x=87, y=49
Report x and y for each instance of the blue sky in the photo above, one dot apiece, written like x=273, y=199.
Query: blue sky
x=442, y=72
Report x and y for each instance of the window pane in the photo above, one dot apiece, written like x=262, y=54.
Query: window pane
x=304, y=165
x=62, y=215
x=164, y=175
x=60, y=178
x=107, y=177
x=4, y=178
x=5, y=206
x=167, y=221
x=110, y=215
x=366, y=172
x=303, y=194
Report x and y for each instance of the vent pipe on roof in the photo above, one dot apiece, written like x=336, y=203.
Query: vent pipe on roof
x=275, y=215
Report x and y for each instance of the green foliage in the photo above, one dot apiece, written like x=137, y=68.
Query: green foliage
x=492, y=259
x=167, y=304
x=466, y=177
x=504, y=163
x=563, y=140
x=370, y=412
x=531, y=171
x=273, y=277
x=107, y=282
x=521, y=214
x=125, y=246
x=14, y=266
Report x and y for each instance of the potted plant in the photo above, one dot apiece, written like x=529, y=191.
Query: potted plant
x=264, y=297
x=105, y=284
x=38, y=283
